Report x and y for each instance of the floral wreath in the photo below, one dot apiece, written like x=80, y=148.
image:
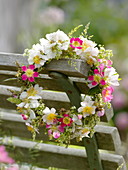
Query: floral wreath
x=64, y=125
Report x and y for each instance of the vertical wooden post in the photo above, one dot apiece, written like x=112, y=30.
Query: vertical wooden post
x=75, y=99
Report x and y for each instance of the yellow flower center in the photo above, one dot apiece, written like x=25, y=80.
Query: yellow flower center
x=88, y=109
x=60, y=41
x=84, y=131
x=29, y=73
x=37, y=59
x=19, y=109
x=90, y=61
x=66, y=120
x=51, y=117
x=32, y=91
x=107, y=93
x=76, y=44
x=97, y=78
x=30, y=128
x=84, y=46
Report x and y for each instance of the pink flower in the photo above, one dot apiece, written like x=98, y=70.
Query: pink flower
x=49, y=132
x=29, y=73
x=61, y=128
x=104, y=63
x=13, y=168
x=97, y=78
x=101, y=66
x=48, y=126
x=107, y=94
x=76, y=43
x=4, y=158
x=120, y=99
x=121, y=120
x=100, y=113
x=94, y=83
x=109, y=63
x=79, y=116
x=25, y=117
x=102, y=82
x=66, y=120
x=56, y=135
x=90, y=78
x=96, y=71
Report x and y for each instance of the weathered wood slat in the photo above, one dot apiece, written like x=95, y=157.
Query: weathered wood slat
x=13, y=124
x=45, y=81
x=77, y=68
x=60, y=157
x=51, y=99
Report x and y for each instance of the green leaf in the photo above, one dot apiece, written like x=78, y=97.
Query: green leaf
x=94, y=90
x=14, y=100
x=10, y=79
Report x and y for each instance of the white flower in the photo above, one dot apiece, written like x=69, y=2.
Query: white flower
x=29, y=104
x=32, y=93
x=30, y=97
x=34, y=104
x=32, y=114
x=87, y=107
x=111, y=76
x=88, y=50
x=76, y=120
x=59, y=38
x=88, y=99
x=80, y=133
x=31, y=128
x=38, y=47
x=37, y=56
x=49, y=48
x=50, y=115
x=84, y=132
x=55, y=43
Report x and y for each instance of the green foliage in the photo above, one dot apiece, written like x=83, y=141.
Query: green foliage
x=10, y=79
x=94, y=90
x=74, y=30
x=14, y=100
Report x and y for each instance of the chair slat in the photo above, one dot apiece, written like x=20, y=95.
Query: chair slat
x=60, y=157
x=77, y=68
x=13, y=124
x=44, y=80
x=51, y=99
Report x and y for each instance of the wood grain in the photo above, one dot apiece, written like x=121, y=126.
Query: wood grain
x=79, y=68
x=58, y=156
x=14, y=125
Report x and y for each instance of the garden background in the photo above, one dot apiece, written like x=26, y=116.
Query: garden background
x=24, y=22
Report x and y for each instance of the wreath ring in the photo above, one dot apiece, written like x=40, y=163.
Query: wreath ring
x=79, y=121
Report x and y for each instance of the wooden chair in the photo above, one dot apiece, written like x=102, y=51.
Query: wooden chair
x=63, y=86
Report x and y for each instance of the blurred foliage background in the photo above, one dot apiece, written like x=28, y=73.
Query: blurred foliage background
x=109, y=25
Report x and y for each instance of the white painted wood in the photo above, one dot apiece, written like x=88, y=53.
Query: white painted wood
x=46, y=95
x=79, y=69
x=114, y=134
x=52, y=96
x=107, y=159
x=104, y=134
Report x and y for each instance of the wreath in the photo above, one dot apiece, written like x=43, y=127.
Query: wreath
x=63, y=125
